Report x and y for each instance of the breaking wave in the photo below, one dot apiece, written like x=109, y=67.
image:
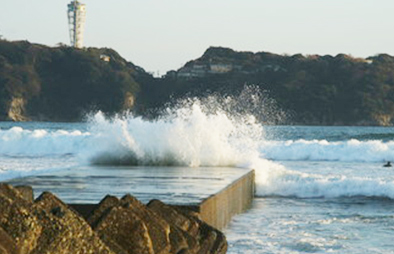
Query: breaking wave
x=210, y=132
x=288, y=183
x=17, y=141
x=322, y=150
x=186, y=137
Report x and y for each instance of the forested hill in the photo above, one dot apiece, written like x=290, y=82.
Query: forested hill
x=63, y=84
x=321, y=90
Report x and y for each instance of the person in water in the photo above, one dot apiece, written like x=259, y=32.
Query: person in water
x=387, y=165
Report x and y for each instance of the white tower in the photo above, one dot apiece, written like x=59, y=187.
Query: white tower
x=76, y=21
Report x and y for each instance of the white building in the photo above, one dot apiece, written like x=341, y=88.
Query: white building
x=76, y=21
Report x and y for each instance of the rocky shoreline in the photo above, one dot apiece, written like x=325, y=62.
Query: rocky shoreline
x=114, y=226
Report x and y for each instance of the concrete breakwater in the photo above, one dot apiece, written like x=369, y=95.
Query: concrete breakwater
x=218, y=208
x=47, y=225
x=118, y=225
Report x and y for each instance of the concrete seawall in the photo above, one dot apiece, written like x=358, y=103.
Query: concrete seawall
x=218, y=209
x=216, y=193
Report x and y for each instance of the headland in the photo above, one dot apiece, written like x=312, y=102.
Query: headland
x=61, y=83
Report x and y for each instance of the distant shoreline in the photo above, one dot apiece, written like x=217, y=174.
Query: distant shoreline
x=64, y=84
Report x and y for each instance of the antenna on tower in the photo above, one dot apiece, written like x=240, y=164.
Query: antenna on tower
x=76, y=21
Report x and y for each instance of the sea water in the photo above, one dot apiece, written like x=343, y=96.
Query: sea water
x=319, y=189
x=330, y=195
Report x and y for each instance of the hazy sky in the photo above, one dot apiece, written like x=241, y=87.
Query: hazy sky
x=160, y=35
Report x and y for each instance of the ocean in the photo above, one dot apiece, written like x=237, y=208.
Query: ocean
x=331, y=193
x=318, y=189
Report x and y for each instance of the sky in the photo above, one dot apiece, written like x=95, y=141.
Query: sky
x=162, y=35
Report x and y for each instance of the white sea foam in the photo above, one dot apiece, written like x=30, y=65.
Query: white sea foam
x=199, y=133
x=284, y=182
x=188, y=137
x=192, y=138
x=20, y=142
x=323, y=150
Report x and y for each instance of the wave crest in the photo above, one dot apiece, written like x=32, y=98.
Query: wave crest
x=323, y=150
x=187, y=136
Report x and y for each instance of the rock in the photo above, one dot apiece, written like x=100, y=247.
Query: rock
x=173, y=217
x=10, y=192
x=45, y=226
x=18, y=220
x=7, y=244
x=124, y=232
x=116, y=226
x=211, y=240
x=187, y=228
x=65, y=231
x=178, y=240
x=159, y=229
x=17, y=110
x=103, y=207
x=201, y=237
x=26, y=192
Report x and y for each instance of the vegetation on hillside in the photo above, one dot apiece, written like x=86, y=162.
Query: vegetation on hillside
x=63, y=84
x=322, y=90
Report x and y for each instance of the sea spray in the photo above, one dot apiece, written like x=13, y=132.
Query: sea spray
x=212, y=132
x=225, y=131
x=185, y=137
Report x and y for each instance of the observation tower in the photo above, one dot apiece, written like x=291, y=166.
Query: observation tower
x=76, y=21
